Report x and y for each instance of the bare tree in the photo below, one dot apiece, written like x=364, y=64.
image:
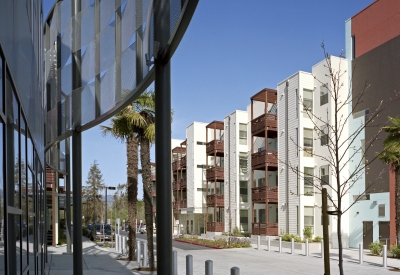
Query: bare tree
x=343, y=157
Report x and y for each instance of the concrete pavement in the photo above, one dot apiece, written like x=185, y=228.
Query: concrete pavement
x=98, y=260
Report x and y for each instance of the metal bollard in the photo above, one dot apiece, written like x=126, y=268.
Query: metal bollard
x=120, y=243
x=269, y=243
x=280, y=245
x=235, y=271
x=116, y=242
x=384, y=255
x=145, y=255
x=209, y=267
x=258, y=242
x=138, y=247
x=292, y=246
x=124, y=245
x=360, y=249
x=322, y=249
x=189, y=265
x=175, y=263
x=306, y=247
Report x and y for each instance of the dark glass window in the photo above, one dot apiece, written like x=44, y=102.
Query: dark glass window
x=17, y=189
x=2, y=260
x=1, y=87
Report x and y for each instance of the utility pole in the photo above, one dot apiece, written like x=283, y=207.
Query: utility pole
x=111, y=188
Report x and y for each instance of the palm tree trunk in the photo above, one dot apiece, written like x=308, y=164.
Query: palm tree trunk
x=132, y=190
x=148, y=204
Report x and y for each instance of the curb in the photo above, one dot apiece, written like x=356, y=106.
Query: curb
x=208, y=246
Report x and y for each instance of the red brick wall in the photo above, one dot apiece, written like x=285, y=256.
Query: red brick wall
x=375, y=25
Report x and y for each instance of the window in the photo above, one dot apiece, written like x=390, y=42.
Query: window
x=1, y=86
x=297, y=142
x=353, y=48
x=201, y=143
x=323, y=97
x=307, y=142
x=297, y=104
x=244, y=220
x=381, y=210
x=242, y=134
x=243, y=191
x=362, y=151
x=324, y=175
x=297, y=181
x=308, y=181
x=309, y=216
x=202, y=166
x=307, y=102
x=243, y=163
x=298, y=221
x=324, y=135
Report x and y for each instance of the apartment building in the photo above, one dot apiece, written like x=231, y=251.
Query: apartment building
x=264, y=163
x=372, y=49
x=305, y=110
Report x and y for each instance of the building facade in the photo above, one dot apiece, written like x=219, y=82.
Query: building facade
x=22, y=122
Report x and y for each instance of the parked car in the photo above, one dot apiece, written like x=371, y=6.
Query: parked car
x=142, y=229
x=87, y=230
x=97, y=232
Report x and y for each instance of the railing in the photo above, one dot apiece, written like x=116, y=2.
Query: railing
x=176, y=205
x=215, y=226
x=154, y=209
x=264, y=194
x=264, y=121
x=183, y=161
x=216, y=200
x=270, y=228
x=215, y=145
x=183, y=183
x=176, y=165
x=183, y=204
x=265, y=157
x=176, y=185
x=215, y=173
x=153, y=193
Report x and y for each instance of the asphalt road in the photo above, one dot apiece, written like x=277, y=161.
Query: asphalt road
x=179, y=245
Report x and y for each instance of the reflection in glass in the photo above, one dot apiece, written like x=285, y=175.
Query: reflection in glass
x=24, y=196
x=31, y=243
x=2, y=265
x=16, y=202
x=17, y=222
x=1, y=92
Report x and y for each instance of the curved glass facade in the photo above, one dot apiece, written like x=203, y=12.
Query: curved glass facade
x=22, y=122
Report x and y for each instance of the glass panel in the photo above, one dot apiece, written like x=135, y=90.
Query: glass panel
x=16, y=220
x=243, y=191
x=308, y=181
x=307, y=102
x=24, y=206
x=1, y=91
x=31, y=245
x=17, y=188
x=2, y=264
x=30, y=151
x=244, y=220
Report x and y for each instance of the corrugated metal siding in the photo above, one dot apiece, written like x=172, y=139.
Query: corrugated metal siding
x=190, y=164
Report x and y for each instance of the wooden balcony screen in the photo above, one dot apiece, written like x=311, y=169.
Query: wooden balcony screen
x=264, y=194
x=154, y=209
x=216, y=200
x=176, y=185
x=183, y=183
x=214, y=145
x=215, y=173
x=183, y=204
x=265, y=121
x=153, y=193
x=269, y=229
x=176, y=165
x=183, y=161
x=215, y=226
x=265, y=158
x=176, y=205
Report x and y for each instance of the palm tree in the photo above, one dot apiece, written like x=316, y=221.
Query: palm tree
x=391, y=156
x=135, y=125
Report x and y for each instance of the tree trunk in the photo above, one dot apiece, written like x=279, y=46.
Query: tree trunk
x=147, y=197
x=339, y=234
x=132, y=190
x=397, y=202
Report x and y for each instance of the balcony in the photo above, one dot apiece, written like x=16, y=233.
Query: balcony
x=263, y=228
x=176, y=165
x=264, y=194
x=154, y=209
x=215, y=226
x=183, y=162
x=183, y=203
x=176, y=205
x=264, y=122
x=216, y=200
x=264, y=158
x=176, y=185
x=215, y=173
x=153, y=177
x=215, y=146
x=153, y=192
x=183, y=183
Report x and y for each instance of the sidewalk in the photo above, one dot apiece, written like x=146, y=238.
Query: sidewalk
x=98, y=260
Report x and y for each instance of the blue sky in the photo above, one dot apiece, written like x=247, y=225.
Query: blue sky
x=231, y=50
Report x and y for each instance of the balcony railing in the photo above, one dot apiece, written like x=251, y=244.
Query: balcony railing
x=215, y=226
x=153, y=177
x=176, y=185
x=183, y=204
x=265, y=121
x=183, y=183
x=216, y=200
x=153, y=192
x=263, y=228
x=183, y=161
x=176, y=165
x=265, y=158
x=215, y=173
x=154, y=209
x=215, y=145
x=264, y=194
x=176, y=205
